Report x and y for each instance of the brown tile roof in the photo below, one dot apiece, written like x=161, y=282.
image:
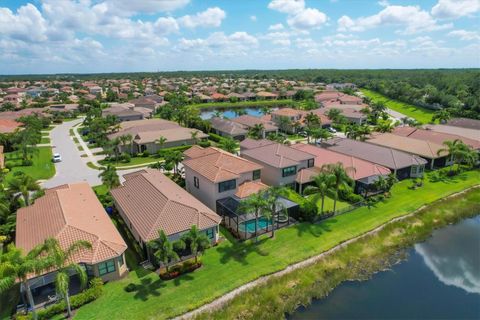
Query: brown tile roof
x=8, y=125
x=385, y=156
x=464, y=123
x=145, y=125
x=277, y=155
x=252, y=143
x=70, y=213
x=362, y=168
x=196, y=151
x=288, y=112
x=152, y=202
x=248, y=188
x=174, y=134
x=419, y=147
x=433, y=136
x=265, y=94
x=464, y=132
x=220, y=165
x=306, y=175
x=228, y=126
x=250, y=121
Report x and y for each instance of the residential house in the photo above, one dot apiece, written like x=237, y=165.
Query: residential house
x=126, y=112
x=144, y=102
x=71, y=213
x=148, y=201
x=427, y=150
x=469, y=133
x=464, y=123
x=280, y=163
x=435, y=137
x=212, y=174
x=9, y=125
x=402, y=164
x=249, y=122
x=364, y=173
x=228, y=128
x=95, y=90
x=264, y=95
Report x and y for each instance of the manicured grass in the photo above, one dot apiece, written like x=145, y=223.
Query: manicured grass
x=229, y=265
x=134, y=161
x=45, y=140
x=75, y=139
x=420, y=114
x=41, y=169
x=91, y=165
x=80, y=148
x=327, y=206
x=244, y=104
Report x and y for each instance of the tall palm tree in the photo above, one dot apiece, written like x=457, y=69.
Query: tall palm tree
x=174, y=158
x=14, y=265
x=341, y=179
x=109, y=177
x=197, y=242
x=312, y=120
x=61, y=260
x=256, y=131
x=161, y=141
x=228, y=144
x=256, y=202
x=22, y=186
x=163, y=249
x=272, y=205
x=324, y=184
x=126, y=139
x=459, y=152
x=194, y=135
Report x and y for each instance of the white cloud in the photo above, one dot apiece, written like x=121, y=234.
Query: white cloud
x=282, y=42
x=253, y=18
x=412, y=19
x=220, y=41
x=307, y=19
x=383, y=3
x=446, y=9
x=146, y=6
x=464, y=35
x=166, y=25
x=276, y=27
x=26, y=24
x=287, y=6
x=212, y=17
x=299, y=17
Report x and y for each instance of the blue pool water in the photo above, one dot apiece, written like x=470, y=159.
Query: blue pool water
x=250, y=225
x=205, y=115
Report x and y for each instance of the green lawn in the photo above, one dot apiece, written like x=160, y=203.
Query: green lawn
x=420, y=114
x=41, y=169
x=45, y=140
x=230, y=265
x=327, y=206
x=244, y=104
x=134, y=161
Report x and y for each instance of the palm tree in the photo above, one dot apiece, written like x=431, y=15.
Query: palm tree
x=381, y=184
x=109, y=177
x=256, y=131
x=284, y=123
x=163, y=249
x=174, y=158
x=197, y=242
x=363, y=131
x=23, y=185
x=14, y=265
x=333, y=114
x=256, y=202
x=228, y=144
x=324, y=184
x=265, y=110
x=341, y=179
x=272, y=205
x=126, y=139
x=351, y=131
x=194, y=135
x=384, y=126
x=161, y=141
x=61, y=260
x=312, y=120
x=458, y=152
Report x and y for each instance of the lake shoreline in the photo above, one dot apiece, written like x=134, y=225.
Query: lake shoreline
x=280, y=294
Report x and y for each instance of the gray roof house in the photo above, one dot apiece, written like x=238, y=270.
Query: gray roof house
x=228, y=128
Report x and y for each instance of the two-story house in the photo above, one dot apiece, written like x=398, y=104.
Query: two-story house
x=280, y=162
x=212, y=174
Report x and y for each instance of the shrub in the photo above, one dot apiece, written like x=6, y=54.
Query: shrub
x=215, y=137
x=162, y=152
x=308, y=210
x=204, y=144
x=145, y=154
x=27, y=163
x=348, y=196
x=126, y=157
x=131, y=287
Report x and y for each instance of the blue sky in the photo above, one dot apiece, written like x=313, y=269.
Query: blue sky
x=57, y=36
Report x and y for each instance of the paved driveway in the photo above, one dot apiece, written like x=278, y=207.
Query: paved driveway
x=73, y=168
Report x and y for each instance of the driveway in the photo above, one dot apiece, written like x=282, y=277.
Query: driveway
x=73, y=168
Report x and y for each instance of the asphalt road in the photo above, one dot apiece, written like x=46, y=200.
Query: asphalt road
x=73, y=168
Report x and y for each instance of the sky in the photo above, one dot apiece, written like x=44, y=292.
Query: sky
x=87, y=36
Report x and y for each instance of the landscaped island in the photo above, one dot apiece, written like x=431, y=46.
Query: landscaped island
x=231, y=264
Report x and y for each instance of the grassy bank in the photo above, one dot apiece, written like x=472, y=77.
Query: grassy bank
x=41, y=169
x=356, y=261
x=244, y=104
x=420, y=114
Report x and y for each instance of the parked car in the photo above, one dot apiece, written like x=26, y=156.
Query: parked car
x=332, y=130
x=57, y=157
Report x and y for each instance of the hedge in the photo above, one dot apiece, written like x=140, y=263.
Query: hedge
x=161, y=152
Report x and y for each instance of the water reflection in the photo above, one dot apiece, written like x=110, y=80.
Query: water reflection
x=453, y=256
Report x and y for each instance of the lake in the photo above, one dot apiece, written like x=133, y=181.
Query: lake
x=230, y=113
x=439, y=280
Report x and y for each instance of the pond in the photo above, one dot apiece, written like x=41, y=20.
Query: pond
x=231, y=113
x=439, y=280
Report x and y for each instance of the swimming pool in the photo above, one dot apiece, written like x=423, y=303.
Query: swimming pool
x=249, y=226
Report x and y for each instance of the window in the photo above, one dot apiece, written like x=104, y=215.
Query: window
x=420, y=169
x=210, y=234
x=256, y=174
x=196, y=182
x=106, y=267
x=414, y=170
x=311, y=162
x=289, y=171
x=121, y=260
x=227, y=185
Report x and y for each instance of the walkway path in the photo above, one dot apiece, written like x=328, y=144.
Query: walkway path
x=218, y=303
x=72, y=168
